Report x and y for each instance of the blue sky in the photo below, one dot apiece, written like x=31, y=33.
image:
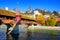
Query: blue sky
x=24, y=4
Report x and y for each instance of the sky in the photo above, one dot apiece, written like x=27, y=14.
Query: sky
x=24, y=4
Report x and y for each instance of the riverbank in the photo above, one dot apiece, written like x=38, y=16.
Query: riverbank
x=44, y=29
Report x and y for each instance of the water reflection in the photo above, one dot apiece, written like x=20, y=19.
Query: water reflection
x=12, y=37
x=25, y=35
x=30, y=36
x=16, y=37
x=36, y=36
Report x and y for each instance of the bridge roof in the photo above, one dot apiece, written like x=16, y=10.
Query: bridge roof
x=12, y=14
x=58, y=19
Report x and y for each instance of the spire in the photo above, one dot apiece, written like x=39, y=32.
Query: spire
x=29, y=9
x=17, y=13
x=17, y=10
x=18, y=17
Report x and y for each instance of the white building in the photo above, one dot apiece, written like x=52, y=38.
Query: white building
x=36, y=12
x=6, y=8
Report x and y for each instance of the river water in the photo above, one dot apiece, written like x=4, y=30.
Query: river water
x=30, y=36
x=24, y=35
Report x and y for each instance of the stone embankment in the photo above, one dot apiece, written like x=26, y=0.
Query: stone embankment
x=44, y=27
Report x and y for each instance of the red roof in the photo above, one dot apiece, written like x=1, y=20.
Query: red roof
x=58, y=19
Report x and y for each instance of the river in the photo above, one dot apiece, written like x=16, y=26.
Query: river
x=25, y=35
x=30, y=36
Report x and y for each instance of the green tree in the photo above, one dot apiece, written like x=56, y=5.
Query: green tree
x=55, y=12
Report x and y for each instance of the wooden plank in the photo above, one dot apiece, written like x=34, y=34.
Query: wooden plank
x=11, y=28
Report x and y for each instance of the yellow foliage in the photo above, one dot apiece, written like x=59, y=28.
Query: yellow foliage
x=40, y=18
x=51, y=21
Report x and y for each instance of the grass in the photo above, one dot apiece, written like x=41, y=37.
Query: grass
x=45, y=31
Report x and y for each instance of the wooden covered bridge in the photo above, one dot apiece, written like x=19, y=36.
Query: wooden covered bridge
x=8, y=17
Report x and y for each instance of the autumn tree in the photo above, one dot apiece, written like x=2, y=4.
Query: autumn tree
x=51, y=21
x=40, y=18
